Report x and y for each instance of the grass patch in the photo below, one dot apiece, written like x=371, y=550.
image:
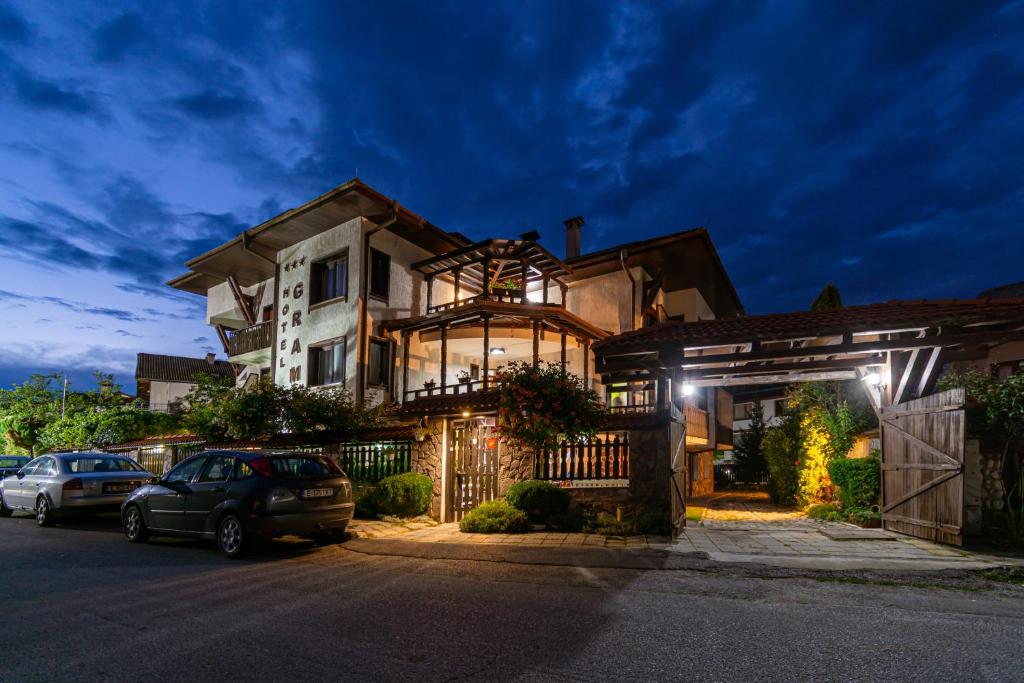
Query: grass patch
x=1014, y=575
x=694, y=513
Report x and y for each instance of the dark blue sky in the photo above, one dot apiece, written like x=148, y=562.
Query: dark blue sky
x=877, y=144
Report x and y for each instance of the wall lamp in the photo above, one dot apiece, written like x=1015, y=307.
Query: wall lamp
x=873, y=379
x=497, y=351
x=688, y=389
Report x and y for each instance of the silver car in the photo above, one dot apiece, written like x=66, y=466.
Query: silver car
x=58, y=484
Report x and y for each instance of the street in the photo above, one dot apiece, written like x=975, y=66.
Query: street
x=81, y=603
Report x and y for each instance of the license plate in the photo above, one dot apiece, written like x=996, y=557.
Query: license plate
x=120, y=488
x=318, y=493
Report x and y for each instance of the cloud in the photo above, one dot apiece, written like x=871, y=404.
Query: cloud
x=126, y=333
x=201, y=340
x=210, y=105
x=13, y=28
x=75, y=306
x=118, y=37
x=78, y=362
x=41, y=94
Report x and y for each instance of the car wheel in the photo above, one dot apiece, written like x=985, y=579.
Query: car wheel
x=4, y=510
x=134, y=526
x=231, y=536
x=44, y=515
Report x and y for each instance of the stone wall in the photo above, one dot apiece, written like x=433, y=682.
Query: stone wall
x=427, y=458
x=601, y=499
x=516, y=465
x=649, y=475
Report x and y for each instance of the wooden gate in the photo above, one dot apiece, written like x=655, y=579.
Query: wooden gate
x=923, y=445
x=474, y=452
x=677, y=428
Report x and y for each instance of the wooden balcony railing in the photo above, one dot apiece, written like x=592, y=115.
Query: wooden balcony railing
x=511, y=296
x=256, y=338
x=696, y=422
x=589, y=460
x=640, y=409
x=455, y=389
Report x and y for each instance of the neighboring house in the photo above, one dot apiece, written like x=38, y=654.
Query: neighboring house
x=353, y=290
x=164, y=381
x=1005, y=359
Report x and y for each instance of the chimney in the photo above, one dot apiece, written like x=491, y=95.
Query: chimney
x=572, y=236
x=210, y=358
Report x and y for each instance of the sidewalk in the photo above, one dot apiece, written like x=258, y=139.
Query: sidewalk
x=721, y=538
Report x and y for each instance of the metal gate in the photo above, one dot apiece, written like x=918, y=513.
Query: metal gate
x=923, y=445
x=474, y=452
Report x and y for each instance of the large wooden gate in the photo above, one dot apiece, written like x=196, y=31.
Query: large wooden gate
x=474, y=451
x=923, y=444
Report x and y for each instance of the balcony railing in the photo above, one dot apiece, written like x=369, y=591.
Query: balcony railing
x=256, y=338
x=696, y=422
x=639, y=409
x=454, y=389
x=598, y=459
x=511, y=296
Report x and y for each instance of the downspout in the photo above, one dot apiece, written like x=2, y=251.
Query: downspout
x=364, y=311
x=632, y=290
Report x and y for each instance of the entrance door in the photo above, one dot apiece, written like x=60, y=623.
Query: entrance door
x=474, y=452
x=923, y=445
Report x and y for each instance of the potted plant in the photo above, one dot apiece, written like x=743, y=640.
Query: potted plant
x=510, y=287
x=430, y=384
x=463, y=376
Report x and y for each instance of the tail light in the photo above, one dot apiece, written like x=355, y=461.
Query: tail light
x=262, y=467
x=72, y=485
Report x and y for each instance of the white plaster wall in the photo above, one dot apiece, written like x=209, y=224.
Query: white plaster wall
x=689, y=303
x=221, y=307
x=299, y=326
x=163, y=394
x=605, y=300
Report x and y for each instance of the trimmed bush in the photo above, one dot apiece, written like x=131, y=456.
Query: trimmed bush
x=829, y=512
x=540, y=500
x=653, y=521
x=365, y=498
x=495, y=517
x=404, y=495
x=859, y=481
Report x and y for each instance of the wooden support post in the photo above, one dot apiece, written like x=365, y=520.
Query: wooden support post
x=444, y=356
x=458, y=280
x=586, y=364
x=406, y=338
x=242, y=300
x=536, y=343
x=430, y=291
x=487, y=350
x=564, y=289
x=222, y=333
x=526, y=271
x=563, y=353
x=545, y=284
x=487, y=277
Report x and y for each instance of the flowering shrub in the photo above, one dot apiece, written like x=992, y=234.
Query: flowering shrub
x=540, y=406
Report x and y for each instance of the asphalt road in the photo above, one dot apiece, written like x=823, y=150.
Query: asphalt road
x=80, y=603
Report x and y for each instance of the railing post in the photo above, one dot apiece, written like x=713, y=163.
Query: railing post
x=430, y=291
x=444, y=357
x=536, y=343
x=458, y=280
x=405, y=364
x=487, y=346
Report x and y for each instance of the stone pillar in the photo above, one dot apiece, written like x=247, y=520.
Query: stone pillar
x=427, y=458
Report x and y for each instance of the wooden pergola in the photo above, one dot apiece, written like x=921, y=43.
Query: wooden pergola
x=898, y=349
x=482, y=265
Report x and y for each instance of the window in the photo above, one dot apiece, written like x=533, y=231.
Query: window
x=183, y=472
x=379, y=371
x=99, y=463
x=268, y=313
x=781, y=406
x=304, y=467
x=243, y=470
x=329, y=279
x=380, y=274
x=327, y=363
x=219, y=468
x=742, y=411
x=47, y=468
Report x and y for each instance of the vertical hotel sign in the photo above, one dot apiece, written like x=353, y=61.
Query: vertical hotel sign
x=292, y=311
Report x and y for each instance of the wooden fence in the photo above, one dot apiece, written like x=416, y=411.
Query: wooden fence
x=371, y=462
x=597, y=459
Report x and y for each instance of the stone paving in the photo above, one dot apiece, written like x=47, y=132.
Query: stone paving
x=743, y=528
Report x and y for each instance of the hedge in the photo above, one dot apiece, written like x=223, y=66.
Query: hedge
x=403, y=495
x=495, y=517
x=859, y=481
x=540, y=500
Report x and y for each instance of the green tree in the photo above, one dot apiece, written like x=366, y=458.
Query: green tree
x=26, y=409
x=749, y=451
x=100, y=427
x=781, y=446
x=828, y=299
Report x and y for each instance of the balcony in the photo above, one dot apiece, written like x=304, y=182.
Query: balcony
x=251, y=345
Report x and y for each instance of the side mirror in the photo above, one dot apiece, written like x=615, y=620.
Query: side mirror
x=20, y=474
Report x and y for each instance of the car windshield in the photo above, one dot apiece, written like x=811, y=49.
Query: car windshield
x=99, y=463
x=12, y=462
x=304, y=467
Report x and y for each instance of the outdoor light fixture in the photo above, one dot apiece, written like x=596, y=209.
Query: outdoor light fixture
x=873, y=379
x=497, y=350
x=688, y=389
x=465, y=413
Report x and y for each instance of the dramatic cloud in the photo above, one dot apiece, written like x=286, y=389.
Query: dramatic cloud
x=874, y=144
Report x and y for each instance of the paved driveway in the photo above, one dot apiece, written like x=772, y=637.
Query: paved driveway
x=746, y=527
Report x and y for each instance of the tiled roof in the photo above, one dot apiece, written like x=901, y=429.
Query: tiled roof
x=178, y=368
x=1012, y=291
x=892, y=315
x=152, y=441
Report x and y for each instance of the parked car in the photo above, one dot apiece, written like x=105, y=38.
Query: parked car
x=60, y=484
x=238, y=497
x=10, y=464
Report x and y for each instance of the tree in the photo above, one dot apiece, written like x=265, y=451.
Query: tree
x=26, y=409
x=100, y=427
x=539, y=406
x=749, y=451
x=828, y=299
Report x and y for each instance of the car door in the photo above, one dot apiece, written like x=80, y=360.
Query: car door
x=208, y=491
x=14, y=486
x=33, y=481
x=166, y=500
